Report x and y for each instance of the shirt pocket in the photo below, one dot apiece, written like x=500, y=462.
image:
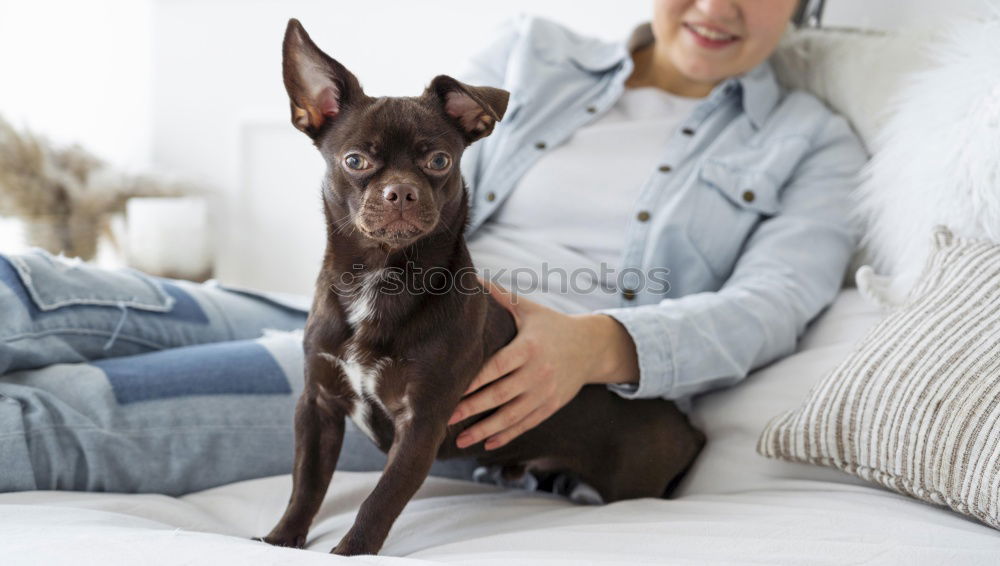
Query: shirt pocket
x=56, y=282
x=730, y=201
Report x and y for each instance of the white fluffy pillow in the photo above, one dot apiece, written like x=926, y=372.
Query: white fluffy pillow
x=855, y=72
x=938, y=156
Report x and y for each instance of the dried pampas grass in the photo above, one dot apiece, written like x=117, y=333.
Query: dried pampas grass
x=64, y=195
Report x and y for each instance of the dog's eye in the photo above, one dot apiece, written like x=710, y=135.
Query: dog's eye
x=356, y=162
x=439, y=162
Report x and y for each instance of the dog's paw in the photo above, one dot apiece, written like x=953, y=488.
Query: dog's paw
x=354, y=546
x=290, y=541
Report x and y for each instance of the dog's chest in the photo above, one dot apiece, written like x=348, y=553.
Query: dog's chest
x=362, y=310
x=362, y=371
x=363, y=376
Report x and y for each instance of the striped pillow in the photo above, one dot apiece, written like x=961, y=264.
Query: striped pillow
x=916, y=406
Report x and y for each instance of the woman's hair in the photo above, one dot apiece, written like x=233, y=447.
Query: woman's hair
x=799, y=14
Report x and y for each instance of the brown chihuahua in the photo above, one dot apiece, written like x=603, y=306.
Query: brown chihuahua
x=395, y=356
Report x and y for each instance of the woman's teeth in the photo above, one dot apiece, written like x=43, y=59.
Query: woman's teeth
x=710, y=33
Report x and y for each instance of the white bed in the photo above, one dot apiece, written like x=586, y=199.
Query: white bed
x=735, y=507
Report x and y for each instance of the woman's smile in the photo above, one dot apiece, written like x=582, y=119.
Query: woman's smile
x=710, y=37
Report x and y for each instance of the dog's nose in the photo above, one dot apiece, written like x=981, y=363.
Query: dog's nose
x=403, y=196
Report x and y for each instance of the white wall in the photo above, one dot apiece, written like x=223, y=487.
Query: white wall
x=80, y=71
x=901, y=14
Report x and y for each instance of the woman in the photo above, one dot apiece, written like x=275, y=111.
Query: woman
x=739, y=190
x=703, y=209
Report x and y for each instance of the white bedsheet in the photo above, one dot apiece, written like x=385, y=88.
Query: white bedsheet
x=735, y=508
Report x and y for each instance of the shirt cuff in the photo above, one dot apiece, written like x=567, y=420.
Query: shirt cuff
x=654, y=347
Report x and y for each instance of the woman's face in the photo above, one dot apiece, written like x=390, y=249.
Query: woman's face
x=711, y=40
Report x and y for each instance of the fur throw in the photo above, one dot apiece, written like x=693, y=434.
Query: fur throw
x=938, y=158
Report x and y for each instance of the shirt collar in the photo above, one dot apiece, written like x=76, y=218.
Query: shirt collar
x=758, y=88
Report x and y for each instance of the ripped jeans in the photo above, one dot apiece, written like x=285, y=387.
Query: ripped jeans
x=115, y=380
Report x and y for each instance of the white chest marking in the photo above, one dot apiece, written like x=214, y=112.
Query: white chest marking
x=362, y=307
x=363, y=380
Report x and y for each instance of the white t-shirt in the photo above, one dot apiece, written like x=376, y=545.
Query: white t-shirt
x=559, y=236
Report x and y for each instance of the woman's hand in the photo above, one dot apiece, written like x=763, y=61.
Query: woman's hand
x=552, y=357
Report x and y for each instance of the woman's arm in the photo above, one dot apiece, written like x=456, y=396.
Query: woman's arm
x=791, y=268
x=543, y=367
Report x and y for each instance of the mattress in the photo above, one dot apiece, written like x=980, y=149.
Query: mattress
x=734, y=507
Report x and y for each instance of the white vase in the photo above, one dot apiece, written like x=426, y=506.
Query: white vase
x=169, y=237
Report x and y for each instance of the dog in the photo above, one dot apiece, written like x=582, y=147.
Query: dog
x=396, y=358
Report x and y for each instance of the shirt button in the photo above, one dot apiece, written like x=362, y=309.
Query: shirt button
x=592, y=109
x=540, y=145
x=628, y=294
x=665, y=168
x=642, y=216
x=687, y=132
x=491, y=196
x=748, y=196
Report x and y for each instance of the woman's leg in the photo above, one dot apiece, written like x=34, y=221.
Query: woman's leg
x=172, y=421
x=54, y=310
x=177, y=396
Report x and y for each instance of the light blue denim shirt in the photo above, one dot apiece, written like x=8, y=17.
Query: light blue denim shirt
x=747, y=208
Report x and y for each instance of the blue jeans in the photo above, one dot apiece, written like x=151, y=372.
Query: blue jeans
x=115, y=380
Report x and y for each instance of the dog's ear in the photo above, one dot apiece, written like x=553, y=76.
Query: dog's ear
x=319, y=87
x=474, y=109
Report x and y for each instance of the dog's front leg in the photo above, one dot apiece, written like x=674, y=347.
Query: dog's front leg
x=412, y=453
x=319, y=434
